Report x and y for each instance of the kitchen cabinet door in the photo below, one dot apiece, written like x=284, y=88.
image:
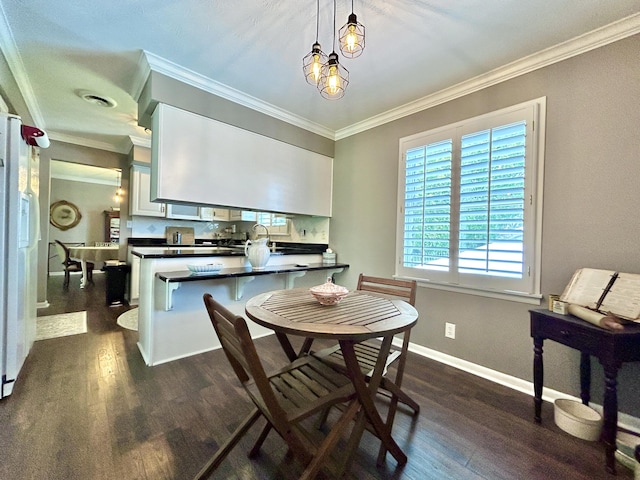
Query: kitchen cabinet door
x=183, y=212
x=134, y=281
x=220, y=214
x=206, y=214
x=242, y=215
x=140, y=202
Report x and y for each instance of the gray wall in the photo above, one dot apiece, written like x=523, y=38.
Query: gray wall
x=590, y=218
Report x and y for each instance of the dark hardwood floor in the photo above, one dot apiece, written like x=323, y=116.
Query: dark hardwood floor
x=87, y=407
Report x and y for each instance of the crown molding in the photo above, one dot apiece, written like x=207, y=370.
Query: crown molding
x=85, y=142
x=142, y=73
x=589, y=41
x=170, y=69
x=14, y=60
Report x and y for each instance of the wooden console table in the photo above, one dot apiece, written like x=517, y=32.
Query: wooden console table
x=611, y=347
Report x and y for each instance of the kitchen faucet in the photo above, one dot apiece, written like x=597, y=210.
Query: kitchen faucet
x=261, y=225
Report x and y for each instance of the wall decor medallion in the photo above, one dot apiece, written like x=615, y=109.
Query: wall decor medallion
x=64, y=215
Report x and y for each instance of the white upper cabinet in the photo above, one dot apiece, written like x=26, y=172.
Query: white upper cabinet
x=199, y=160
x=242, y=215
x=140, y=202
x=183, y=212
x=214, y=213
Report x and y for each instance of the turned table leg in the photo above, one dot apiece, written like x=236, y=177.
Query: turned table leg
x=538, y=374
x=585, y=378
x=610, y=414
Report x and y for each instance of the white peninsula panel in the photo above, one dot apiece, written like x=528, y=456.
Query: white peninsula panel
x=199, y=160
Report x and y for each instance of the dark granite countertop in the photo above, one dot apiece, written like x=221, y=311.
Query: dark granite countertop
x=189, y=252
x=219, y=248
x=188, y=276
x=213, y=252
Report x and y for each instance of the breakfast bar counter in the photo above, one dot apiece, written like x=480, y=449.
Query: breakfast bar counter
x=172, y=320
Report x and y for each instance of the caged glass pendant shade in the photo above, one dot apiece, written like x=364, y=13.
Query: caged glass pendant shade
x=312, y=64
x=334, y=79
x=352, y=38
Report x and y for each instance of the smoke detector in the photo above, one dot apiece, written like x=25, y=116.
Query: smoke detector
x=94, y=98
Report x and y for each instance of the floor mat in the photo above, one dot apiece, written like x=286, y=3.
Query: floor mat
x=129, y=319
x=61, y=325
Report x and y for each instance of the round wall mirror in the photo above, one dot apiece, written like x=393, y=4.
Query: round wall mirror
x=64, y=215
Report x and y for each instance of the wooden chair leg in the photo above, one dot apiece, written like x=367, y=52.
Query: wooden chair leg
x=67, y=276
x=329, y=442
x=215, y=461
x=382, y=453
x=322, y=418
x=400, y=394
x=261, y=438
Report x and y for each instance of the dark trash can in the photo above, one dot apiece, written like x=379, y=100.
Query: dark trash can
x=116, y=282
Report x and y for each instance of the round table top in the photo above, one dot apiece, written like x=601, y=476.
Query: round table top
x=94, y=254
x=358, y=316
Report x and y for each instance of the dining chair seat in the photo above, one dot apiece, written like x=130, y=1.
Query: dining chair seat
x=284, y=398
x=71, y=265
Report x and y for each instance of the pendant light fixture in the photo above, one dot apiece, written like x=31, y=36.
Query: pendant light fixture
x=313, y=61
x=334, y=78
x=117, y=198
x=352, y=36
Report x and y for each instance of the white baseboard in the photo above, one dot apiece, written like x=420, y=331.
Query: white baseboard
x=626, y=421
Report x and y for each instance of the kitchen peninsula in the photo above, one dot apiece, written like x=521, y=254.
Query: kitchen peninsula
x=172, y=320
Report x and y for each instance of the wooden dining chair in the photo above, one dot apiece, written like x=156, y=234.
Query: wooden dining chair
x=71, y=265
x=367, y=352
x=285, y=397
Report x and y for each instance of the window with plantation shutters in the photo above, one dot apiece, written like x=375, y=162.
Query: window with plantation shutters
x=275, y=223
x=470, y=203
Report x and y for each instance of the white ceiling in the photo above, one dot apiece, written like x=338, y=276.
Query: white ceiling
x=415, y=50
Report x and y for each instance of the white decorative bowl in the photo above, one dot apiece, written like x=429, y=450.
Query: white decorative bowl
x=577, y=419
x=209, y=268
x=329, y=293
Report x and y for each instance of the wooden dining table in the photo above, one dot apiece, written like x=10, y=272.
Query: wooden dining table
x=93, y=254
x=357, y=317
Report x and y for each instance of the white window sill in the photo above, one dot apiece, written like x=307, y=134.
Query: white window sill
x=528, y=298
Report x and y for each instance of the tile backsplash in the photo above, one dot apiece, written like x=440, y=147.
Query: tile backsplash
x=302, y=229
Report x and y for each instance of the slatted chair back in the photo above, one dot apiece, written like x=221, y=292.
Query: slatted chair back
x=389, y=287
x=241, y=352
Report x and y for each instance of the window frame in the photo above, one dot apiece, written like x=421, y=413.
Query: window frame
x=525, y=289
x=279, y=229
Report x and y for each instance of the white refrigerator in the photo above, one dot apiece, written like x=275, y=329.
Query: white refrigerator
x=19, y=235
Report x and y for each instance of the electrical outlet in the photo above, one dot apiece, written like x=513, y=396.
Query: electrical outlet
x=450, y=330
